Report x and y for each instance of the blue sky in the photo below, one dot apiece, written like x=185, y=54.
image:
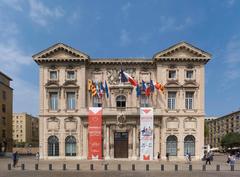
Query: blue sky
x=122, y=28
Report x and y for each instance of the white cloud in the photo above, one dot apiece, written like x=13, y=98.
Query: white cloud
x=124, y=38
x=230, y=2
x=173, y=24
x=126, y=7
x=15, y=4
x=42, y=14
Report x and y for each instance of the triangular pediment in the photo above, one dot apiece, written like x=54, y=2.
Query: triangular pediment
x=60, y=52
x=182, y=50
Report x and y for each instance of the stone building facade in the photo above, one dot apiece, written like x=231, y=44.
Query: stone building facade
x=178, y=111
x=219, y=127
x=25, y=128
x=6, y=101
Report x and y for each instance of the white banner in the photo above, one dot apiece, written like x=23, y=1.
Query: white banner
x=146, y=133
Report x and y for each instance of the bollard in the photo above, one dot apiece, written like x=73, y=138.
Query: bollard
x=133, y=167
x=36, y=166
x=190, y=167
x=91, y=167
x=218, y=168
x=147, y=167
x=64, y=167
x=9, y=166
x=23, y=166
x=105, y=167
x=232, y=167
x=50, y=166
x=176, y=167
x=204, y=168
x=78, y=167
x=162, y=167
x=119, y=167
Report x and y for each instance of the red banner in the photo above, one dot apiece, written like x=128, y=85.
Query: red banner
x=95, y=133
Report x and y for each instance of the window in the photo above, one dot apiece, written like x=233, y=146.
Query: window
x=189, y=74
x=4, y=133
x=144, y=100
x=4, y=96
x=53, y=146
x=171, y=145
x=70, y=75
x=71, y=100
x=4, y=120
x=171, y=100
x=70, y=146
x=53, y=75
x=189, y=100
x=53, y=101
x=3, y=108
x=189, y=145
x=97, y=102
x=121, y=101
x=172, y=74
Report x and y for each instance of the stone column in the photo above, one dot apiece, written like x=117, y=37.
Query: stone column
x=107, y=144
x=134, y=156
x=85, y=142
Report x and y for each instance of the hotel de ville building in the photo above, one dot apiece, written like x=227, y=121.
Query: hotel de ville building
x=87, y=111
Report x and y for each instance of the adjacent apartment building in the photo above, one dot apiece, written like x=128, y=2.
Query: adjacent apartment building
x=178, y=111
x=6, y=101
x=220, y=126
x=25, y=129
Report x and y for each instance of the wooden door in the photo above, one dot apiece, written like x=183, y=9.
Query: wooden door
x=121, y=145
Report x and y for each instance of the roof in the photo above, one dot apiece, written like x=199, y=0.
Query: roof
x=1, y=73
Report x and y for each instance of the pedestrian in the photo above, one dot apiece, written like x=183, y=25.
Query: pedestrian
x=208, y=158
x=189, y=157
x=37, y=156
x=167, y=156
x=158, y=156
x=15, y=159
x=232, y=160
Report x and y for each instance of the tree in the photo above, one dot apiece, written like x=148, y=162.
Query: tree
x=231, y=140
x=206, y=130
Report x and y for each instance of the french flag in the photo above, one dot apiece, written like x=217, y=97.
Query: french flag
x=126, y=77
x=146, y=88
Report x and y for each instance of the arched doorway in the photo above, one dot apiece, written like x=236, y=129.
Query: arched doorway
x=53, y=146
x=189, y=145
x=70, y=146
x=171, y=145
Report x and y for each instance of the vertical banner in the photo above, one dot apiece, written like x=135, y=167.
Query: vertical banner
x=146, y=133
x=95, y=133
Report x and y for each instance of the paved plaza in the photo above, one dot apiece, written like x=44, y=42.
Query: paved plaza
x=113, y=168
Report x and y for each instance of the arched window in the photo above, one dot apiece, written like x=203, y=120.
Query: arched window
x=189, y=145
x=171, y=145
x=121, y=101
x=70, y=146
x=53, y=146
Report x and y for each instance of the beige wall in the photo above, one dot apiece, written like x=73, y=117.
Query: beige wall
x=5, y=116
x=179, y=122
x=25, y=128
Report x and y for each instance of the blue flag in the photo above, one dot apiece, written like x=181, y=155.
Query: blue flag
x=151, y=86
x=106, y=89
x=123, y=77
x=138, y=90
x=143, y=86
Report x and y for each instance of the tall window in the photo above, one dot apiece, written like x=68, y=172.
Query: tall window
x=3, y=108
x=71, y=100
x=189, y=74
x=53, y=146
x=4, y=133
x=144, y=100
x=70, y=146
x=53, y=75
x=121, y=101
x=189, y=145
x=189, y=100
x=70, y=75
x=4, y=96
x=172, y=74
x=4, y=120
x=53, y=100
x=171, y=145
x=171, y=100
x=97, y=102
